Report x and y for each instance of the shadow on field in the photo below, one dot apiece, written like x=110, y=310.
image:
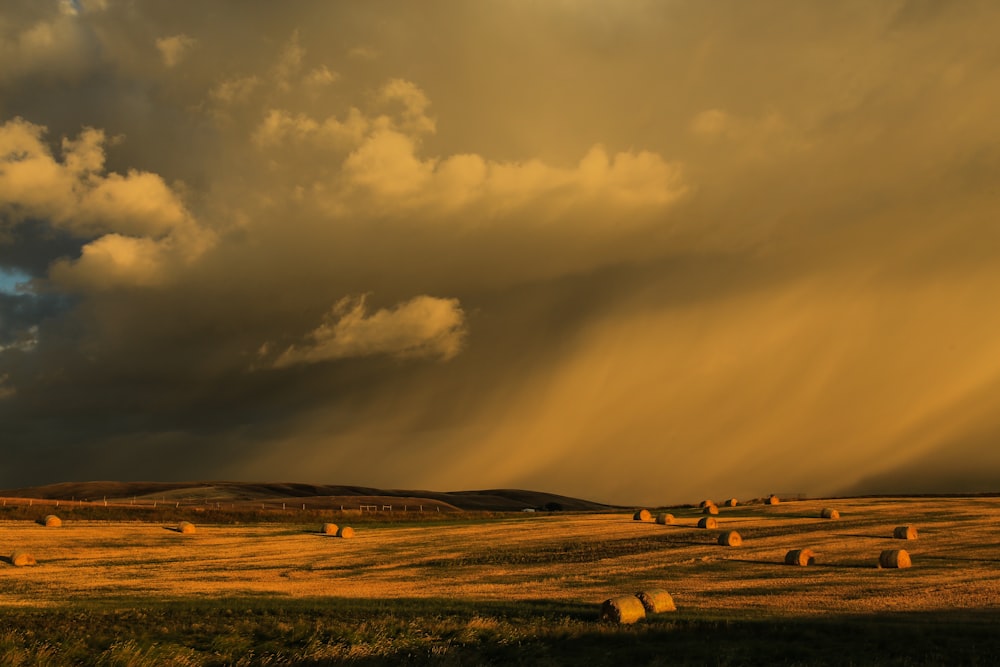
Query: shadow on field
x=448, y=631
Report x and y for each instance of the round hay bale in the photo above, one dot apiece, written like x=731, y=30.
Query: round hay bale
x=345, y=532
x=656, y=601
x=732, y=502
x=624, y=609
x=773, y=500
x=706, y=503
x=829, y=513
x=642, y=515
x=52, y=521
x=329, y=529
x=801, y=557
x=21, y=559
x=664, y=518
x=185, y=527
x=708, y=522
x=710, y=509
x=905, y=533
x=730, y=538
x=894, y=558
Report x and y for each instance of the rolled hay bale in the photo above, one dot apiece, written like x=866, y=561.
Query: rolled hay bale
x=710, y=509
x=52, y=521
x=801, y=557
x=732, y=502
x=642, y=515
x=186, y=528
x=904, y=533
x=664, y=518
x=656, y=601
x=345, y=532
x=706, y=503
x=623, y=609
x=708, y=522
x=730, y=538
x=829, y=513
x=329, y=529
x=894, y=558
x=773, y=500
x=22, y=559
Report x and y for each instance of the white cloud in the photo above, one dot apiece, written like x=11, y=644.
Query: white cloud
x=424, y=326
x=139, y=221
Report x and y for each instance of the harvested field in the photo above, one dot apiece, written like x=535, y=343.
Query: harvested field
x=559, y=561
x=579, y=557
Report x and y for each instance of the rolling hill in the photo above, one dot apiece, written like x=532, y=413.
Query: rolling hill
x=496, y=500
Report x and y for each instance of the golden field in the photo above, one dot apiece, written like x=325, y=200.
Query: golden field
x=580, y=558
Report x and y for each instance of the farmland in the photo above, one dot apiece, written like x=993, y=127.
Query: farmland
x=512, y=587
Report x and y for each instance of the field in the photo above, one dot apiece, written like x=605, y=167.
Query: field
x=510, y=589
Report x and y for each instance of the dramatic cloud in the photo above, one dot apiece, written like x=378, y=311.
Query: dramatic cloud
x=422, y=327
x=740, y=247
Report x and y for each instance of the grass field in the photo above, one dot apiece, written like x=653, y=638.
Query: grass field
x=522, y=589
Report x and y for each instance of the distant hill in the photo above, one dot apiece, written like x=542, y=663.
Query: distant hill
x=496, y=500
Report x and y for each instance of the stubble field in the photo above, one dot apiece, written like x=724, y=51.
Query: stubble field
x=519, y=589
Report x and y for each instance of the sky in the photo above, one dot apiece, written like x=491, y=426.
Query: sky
x=640, y=252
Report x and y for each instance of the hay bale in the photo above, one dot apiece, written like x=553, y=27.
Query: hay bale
x=706, y=503
x=664, y=518
x=773, y=500
x=894, y=558
x=345, y=532
x=730, y=538
x=708, y=522
x=329, y=529
x=624, y=609
x=732, y=502
x=710, y=509
x=642, y=515
x=656, y=601
x=829, y=513
x=801, y=557
x=21, y=559
x=185, y=527
x=905, y=533
x=52, y=521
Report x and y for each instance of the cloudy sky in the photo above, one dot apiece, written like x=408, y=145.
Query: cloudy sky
x=642, y=251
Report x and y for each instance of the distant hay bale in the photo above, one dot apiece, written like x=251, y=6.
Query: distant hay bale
x=706, y=503
x=708, y=522
x=801, y=557
x=329, y=529
x=52, y=521
x=730, y=538
x=642, y=515
x=623, y=609
x=656, y=601
x=828, y=513
x=664, y=518
x=773, y=500
x=185, y=527
x=732, y=502
x=345, y=532
x=710, y=509
x=894, y=558
x=905, y=533
x=21, y=559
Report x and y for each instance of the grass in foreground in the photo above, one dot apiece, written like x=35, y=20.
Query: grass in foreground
x=330, y=631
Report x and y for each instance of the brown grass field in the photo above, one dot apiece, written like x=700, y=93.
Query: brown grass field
x=569, y=559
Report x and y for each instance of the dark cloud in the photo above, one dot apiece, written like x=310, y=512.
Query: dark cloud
x=501, y=244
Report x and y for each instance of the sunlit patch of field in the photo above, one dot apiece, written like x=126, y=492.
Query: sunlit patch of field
x=575, y=558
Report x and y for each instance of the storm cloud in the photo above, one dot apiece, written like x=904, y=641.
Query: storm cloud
x=640, y=252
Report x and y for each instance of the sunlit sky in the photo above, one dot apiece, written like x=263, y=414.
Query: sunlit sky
x=632, y=251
